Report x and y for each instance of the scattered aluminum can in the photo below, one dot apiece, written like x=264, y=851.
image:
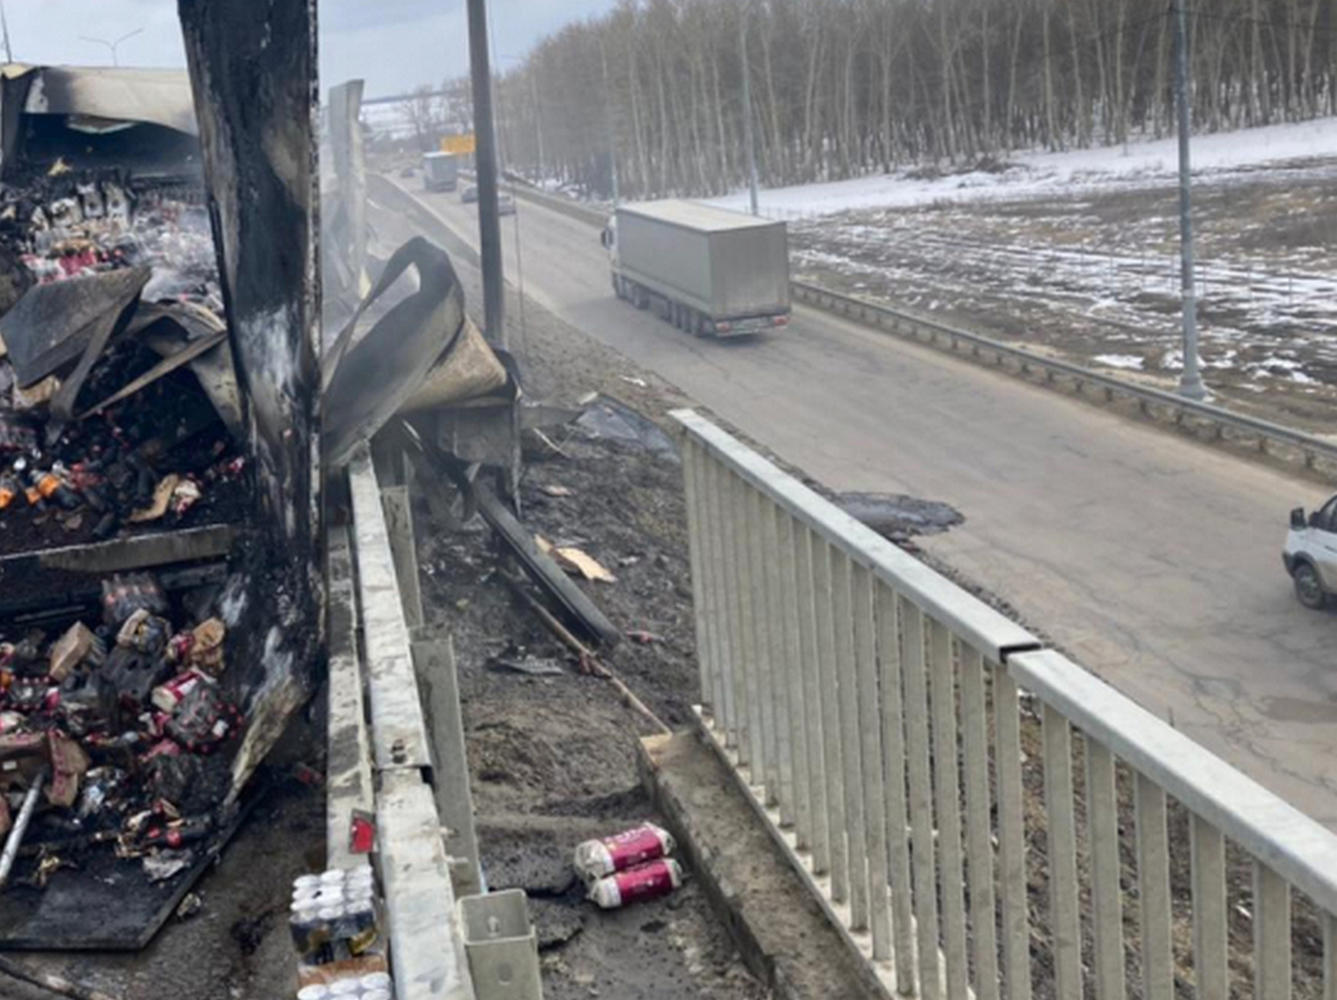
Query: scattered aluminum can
x=376, y=981
x=598, y=858
x=648, y=881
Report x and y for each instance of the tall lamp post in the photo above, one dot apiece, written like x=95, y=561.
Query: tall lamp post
x=485, y=164
x=748, y=138
x=111, y=46
x=1190, y=378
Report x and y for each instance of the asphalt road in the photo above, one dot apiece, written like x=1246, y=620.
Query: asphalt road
x=1152, y=560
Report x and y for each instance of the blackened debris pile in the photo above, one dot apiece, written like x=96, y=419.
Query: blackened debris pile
x=118, y=402
x=69, y=223
x=158, y=459
x=124, y=718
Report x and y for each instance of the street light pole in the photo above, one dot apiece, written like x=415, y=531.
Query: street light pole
x=748, y=138
x=4, y=25
x=485, y=163
x=612, y=132
x=1190, y=378
x=112, y=46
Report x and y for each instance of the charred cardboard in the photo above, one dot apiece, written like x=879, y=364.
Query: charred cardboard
x=54, y=324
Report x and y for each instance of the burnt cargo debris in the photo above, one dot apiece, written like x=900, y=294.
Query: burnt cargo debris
x=125, y=696
x=122, y=721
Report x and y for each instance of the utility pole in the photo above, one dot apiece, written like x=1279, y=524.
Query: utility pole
x=748, y=139
x=4, y=25
x=485, y=162
x=1190, y=378
x=538, y=115
x=612, y=132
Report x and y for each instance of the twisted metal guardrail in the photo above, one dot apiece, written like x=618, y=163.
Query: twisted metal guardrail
x=1313, y=453
x=964, y=841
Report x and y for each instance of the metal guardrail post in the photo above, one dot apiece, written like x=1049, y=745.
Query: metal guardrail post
x=1102, y=832
x=726, y=653
x=893, y=767
x=919, y=768
x=1015, y=924
x=947, y=805
x=845, y=680
x=814, y=718
x=872, y=790
x=786, y=544
x=747, y=633
x=779, y=677
x=822, y=585
x=979, y=834
x=1210, y=930
x=762, y=630
x=702, y=605
x=1153, y=889
x=1065, y=933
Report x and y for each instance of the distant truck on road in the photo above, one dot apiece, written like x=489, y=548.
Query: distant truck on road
x=706, y=270
x=440, y=171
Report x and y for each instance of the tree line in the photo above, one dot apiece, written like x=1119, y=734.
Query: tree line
x=848, y=87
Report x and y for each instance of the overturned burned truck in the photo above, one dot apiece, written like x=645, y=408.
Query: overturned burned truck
x=176, y=434
x=126, y=513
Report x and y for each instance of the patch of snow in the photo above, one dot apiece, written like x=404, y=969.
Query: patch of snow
x=1032, y=174
x=1133, y=362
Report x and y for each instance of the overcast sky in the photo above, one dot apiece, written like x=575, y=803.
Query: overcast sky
x=393, y=44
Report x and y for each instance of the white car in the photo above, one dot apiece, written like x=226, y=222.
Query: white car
x=1311, y=554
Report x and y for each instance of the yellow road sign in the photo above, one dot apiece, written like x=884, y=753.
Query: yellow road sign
x=460, y=145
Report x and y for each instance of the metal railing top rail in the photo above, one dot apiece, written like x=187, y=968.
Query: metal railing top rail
x=986, y=630
x=1276, y=833
x=1149, y=394
x=1309, y=443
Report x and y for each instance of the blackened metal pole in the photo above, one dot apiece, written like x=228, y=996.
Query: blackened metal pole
x=485, y=137
x=1190, y=379
x=748, y=139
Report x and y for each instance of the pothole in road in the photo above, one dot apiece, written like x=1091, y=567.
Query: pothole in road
x=1299, y=710
x=899, y=517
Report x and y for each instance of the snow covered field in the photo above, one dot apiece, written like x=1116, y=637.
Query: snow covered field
x=1077, y=254
x=1046, y=174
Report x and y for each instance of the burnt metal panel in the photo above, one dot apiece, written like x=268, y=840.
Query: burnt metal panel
x=253, y=73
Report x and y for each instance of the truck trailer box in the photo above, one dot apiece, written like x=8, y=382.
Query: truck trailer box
x=727, y=267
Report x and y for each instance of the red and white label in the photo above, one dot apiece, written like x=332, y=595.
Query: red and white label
x=633, y=847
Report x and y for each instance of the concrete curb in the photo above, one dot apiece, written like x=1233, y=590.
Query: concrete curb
x=783, y=933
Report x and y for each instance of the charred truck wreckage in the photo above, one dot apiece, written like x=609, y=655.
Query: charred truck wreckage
x=180, y=409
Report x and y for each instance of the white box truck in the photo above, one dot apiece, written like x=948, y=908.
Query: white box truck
x=706, y=270
x=440, y=171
